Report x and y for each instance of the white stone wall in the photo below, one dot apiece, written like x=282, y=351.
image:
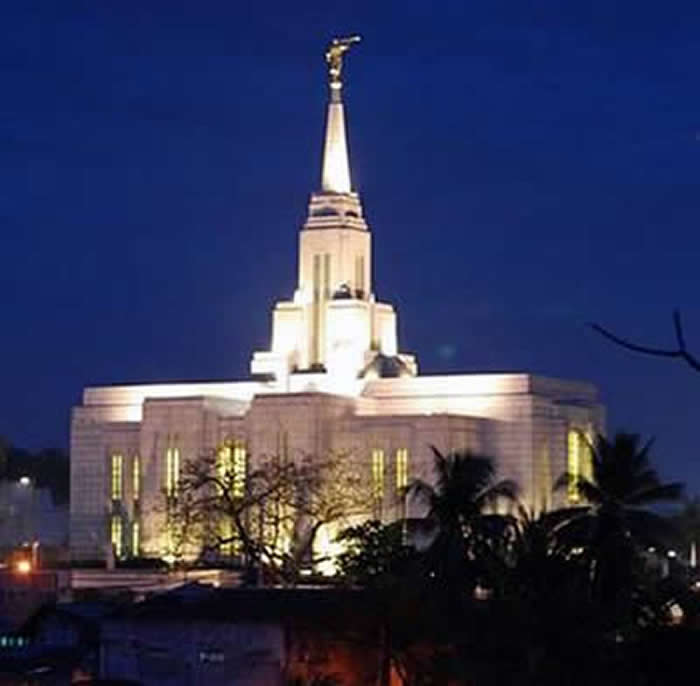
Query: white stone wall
x=92, y=441
x=519, y=420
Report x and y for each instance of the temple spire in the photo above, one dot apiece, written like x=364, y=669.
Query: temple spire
x=335, y=175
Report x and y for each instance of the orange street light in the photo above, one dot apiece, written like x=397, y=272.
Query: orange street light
x=23, y=567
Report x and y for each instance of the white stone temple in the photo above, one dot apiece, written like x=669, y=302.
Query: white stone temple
x=333, y=381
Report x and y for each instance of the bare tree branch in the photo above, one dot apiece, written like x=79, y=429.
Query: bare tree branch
x=272, y=516
x=680, y=353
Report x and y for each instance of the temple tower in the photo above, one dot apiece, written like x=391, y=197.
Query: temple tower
x=334, y=324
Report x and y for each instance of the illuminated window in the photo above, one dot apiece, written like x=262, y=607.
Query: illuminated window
x=224, y=464
x=117, y=465
x=401, y=469
x=378, y=474
x=587, y=466
x=135, y=538
x=136, y=477
x=117, y=535
x=232, y=467
x=574, y=464
x=239, y=468
x=172, y=470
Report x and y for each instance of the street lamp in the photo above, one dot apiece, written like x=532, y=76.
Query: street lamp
x=23, y=567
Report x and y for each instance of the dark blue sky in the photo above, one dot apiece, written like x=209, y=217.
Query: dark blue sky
x=525, y=168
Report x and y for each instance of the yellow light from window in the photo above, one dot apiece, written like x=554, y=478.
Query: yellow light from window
x=573, y=467
x=224, y=465
x=378, y=473
x=239, y=468
x=136, y=477
x=587, y=466
x=117, y=465
x=116, y=537
x=401, y=469
x=135, y=538
x=172, y=470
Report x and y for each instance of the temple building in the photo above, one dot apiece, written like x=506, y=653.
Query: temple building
x=333, y=381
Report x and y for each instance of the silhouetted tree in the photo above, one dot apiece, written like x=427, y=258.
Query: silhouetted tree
x=270, y=515
x=537, y=627
x=48, y=468
x=616, y=520
x=375, y=554
x=680, y=352
x=461, y=517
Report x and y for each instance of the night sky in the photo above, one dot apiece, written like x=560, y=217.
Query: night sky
x=525, y=168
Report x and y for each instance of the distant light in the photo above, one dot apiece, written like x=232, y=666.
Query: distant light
x=671, y=553
x=676, y=612
x=23, y=567
x=25, y=481
x=651, y=549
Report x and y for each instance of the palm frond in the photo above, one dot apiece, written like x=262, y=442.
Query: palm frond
x=503, y=490
x=421, y=490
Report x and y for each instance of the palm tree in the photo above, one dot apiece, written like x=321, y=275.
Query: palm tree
x=616, y=522
x=539, y=619
x=461, y=516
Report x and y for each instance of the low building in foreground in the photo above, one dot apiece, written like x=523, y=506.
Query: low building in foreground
x=333, y=382
x=253, y=637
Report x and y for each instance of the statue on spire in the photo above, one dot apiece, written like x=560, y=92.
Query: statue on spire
x=334, y=59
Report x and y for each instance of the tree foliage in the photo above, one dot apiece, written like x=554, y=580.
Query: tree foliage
x=375, y=554
x=271, y=516
x=547, y=598
x=48, y=468
x=461, y=518
x=616, y=522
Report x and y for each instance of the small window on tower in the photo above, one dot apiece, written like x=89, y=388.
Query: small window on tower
x=326, y=276
x=325, y=211
x=317, y=278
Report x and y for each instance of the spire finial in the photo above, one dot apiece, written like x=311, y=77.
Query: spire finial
x=334, y=59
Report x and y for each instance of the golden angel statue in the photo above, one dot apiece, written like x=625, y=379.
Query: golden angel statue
x=334, y=56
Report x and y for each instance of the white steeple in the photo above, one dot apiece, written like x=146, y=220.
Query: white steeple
x=335, y=177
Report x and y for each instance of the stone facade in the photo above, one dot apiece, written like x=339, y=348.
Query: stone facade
x=522, y=421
